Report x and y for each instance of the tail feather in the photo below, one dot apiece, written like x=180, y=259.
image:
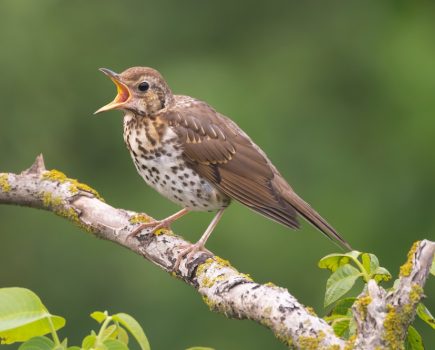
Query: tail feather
x=314, y=218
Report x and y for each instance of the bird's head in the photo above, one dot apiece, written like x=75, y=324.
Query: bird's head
x=141, y=90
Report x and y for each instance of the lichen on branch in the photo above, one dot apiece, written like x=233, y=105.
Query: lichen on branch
x=222, y=287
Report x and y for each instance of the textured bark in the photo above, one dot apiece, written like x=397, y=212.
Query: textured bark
x=222, y=287
x=382, y=316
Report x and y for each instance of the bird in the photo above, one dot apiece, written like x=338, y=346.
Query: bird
x=200, y=159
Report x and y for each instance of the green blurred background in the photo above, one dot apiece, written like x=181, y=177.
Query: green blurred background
x=339, y=94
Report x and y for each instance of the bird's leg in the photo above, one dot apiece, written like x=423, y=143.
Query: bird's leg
x=191, y=249
x=159, y=224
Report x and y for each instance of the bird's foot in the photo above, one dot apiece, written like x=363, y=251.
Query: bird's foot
x=159, y=224
x=188, y=251
x=155, y=225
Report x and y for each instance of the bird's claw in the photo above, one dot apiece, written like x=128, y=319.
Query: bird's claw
x=188, y=251
x=156, y=225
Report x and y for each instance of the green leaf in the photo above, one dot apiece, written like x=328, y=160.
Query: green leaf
x=381, y=274
x=134, y=328
x=63, y=344
x=74, y=348
x=370, y=262
x=339, y=323
x=23, y=316
x=425, y=315
x=37, y=343
x=341, y=327
x=99, y=316
x=332, y=318
x=395, y=284
x=89, y=342
x=340, y=316
x=432, y=268
x=199, y=348
x=122, y=335
x=340, y=282
x=413, y=340
x=334, y=261
x=352, y=328
x=343, y=306
x=109, y=332
x=113, y=344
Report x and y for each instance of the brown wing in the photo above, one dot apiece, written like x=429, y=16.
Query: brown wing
x=222, y=153
x=219, y=151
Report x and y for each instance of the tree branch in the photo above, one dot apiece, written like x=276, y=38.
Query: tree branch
x=383, y=317
x=222, y=287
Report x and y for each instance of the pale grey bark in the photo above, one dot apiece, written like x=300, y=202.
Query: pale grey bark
x=222, y=287
x=383, y=316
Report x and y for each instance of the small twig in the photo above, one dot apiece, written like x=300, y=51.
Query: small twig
x=37, y=167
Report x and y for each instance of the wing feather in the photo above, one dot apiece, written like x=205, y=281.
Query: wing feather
x=221, y=152
x=216, y=148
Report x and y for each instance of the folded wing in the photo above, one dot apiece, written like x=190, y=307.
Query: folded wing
x=220, y=151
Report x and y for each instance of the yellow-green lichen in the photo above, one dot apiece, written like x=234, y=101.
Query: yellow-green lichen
x=211, y=305
x=266, y=322
x=162, y=231
x=55, y=175
x=361, y=305
x=406, y=268
x=50, y=201
x=78, y=186
x=145, y=219
x=246, y=276
x=394, y=332
x=311, y=343
x=206, y=264
x=139, y=219
x=285, y=340
x=415, y=294
x=59, y=208
x=310, y=310
x=4, y=183
x=414, y=298
x=205, y=281
x=282, y=336
x=396, y=319
x=209, y=282
x=221, y=262
x=203, y=267
x=350, y=343
x=270, y=284
x=74, y=187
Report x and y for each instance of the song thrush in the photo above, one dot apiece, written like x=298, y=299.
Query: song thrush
x=200, y=159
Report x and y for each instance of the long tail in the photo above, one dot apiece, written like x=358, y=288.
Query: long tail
x=314, y=218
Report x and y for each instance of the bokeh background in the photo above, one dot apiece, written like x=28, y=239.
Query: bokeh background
x=339, y=94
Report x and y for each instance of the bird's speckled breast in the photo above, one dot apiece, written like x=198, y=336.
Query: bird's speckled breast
x=158, y=158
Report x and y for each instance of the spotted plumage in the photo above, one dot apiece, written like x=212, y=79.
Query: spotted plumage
x=158, y=156
x=199, y=158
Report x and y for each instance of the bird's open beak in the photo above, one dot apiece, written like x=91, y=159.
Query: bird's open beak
x=123, y=93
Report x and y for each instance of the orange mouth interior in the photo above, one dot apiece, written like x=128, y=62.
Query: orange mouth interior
x=123, y=92
x=122, y=97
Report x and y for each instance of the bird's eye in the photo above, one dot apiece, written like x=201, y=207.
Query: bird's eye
x=144, y=86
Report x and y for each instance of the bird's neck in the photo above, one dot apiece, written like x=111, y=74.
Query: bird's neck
x=150, y=131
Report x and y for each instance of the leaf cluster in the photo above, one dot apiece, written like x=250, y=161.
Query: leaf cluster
x=346, y=269
x=25, y=319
